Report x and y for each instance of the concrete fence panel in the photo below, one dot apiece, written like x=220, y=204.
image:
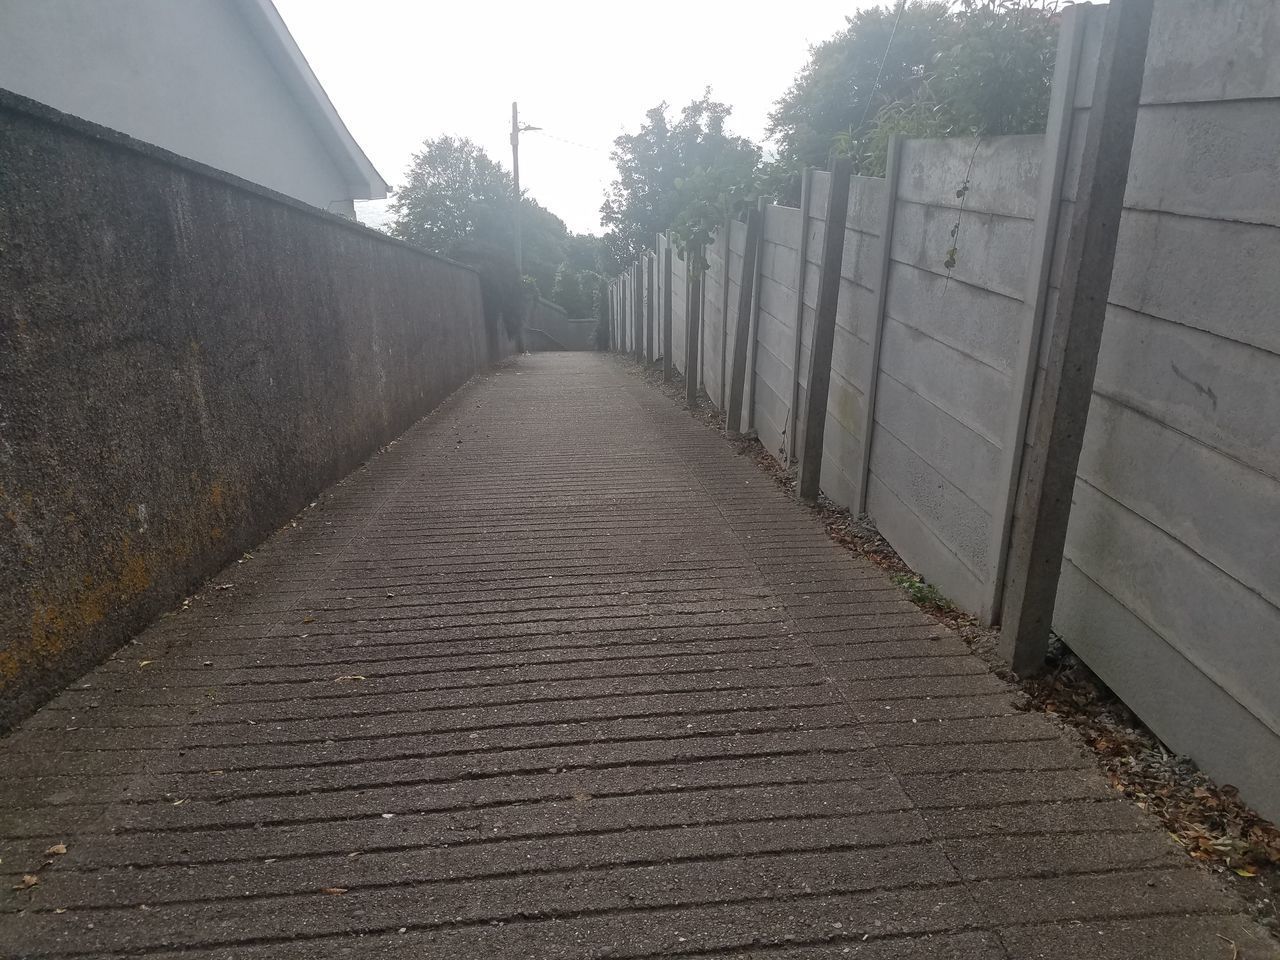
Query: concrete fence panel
x=738, y=275
x=679, y=312
x=814, y=227
x=944, y=386
x=774, y=373
x=713, y=319
x=1170, y=588
x=855, y=314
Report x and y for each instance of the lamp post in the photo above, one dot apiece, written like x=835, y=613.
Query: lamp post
x=516, y=130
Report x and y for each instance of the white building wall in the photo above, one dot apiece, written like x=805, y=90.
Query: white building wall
x=188, y=76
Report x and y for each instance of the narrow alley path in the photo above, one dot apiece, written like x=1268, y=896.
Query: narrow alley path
x=559, y=675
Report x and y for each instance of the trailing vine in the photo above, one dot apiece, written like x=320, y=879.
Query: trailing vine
x=962, y=194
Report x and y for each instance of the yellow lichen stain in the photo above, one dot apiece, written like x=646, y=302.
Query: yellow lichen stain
x=60, y=618
x=64, y=612
x=134, y=576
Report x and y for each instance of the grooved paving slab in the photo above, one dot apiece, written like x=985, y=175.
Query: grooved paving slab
x=559, y=675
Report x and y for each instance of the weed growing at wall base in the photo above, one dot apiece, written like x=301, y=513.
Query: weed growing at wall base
x=922, y=593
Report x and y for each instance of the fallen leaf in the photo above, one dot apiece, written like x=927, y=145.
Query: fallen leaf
x=58, y=849
x=348, y=678
x=143, y=663
x=1245, y=872
x=28, y=880
x=224, y=586
x=333, y=891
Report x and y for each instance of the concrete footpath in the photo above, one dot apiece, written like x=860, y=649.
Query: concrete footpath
x=560, y=675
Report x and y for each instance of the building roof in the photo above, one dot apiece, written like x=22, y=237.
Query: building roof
x=283, y=52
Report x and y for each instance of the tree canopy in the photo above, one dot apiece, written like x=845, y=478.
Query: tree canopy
x=459, y=202
x=454, y=191
x=837, y=90
x=666, y=167
x=971, y=68
x=923, y=68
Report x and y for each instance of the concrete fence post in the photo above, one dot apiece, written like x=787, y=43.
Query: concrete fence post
x=637, y=307
x=1057, y=145
x=702, y=326
x=742, y=323
x=793, y=401
x=892, y=168
x=754, y=338
x=693, y=328
x=1058, y=422
x=724, y=311
x=617, y=314
x=824, y=331
x=602, y=314
x=631, y=309
x=626, y=310
x=656, y=308
x=666, y=311
x=650, y=352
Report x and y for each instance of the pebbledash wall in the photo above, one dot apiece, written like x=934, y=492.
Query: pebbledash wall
x=185, y=360
x=1170, y=587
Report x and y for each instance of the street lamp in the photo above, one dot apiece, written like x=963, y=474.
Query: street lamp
x=516, y=130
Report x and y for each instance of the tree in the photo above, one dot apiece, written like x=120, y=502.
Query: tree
x=454, y=191
x=583, y=251
x=994, y=73
x=991, y=76
x=837, y=89
x=569, y=290
x=665, y=167
x=586, y=262
x=979, y=67
x=543, y=236
x=459, y=202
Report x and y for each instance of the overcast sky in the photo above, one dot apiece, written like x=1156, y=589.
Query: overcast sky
x=400, y=71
